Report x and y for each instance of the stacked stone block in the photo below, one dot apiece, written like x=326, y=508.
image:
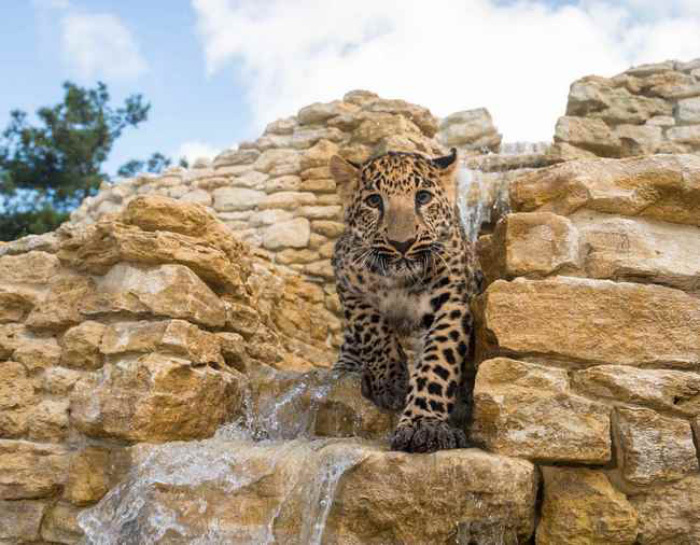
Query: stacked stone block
x=648, y=109
x=588, y=346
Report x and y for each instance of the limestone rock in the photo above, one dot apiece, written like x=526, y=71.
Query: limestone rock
x=639, y=139
x=60, y=309
x=61, y=525
x=320, y=112
x=81, y=346
x=20, y=521
x=419, y=115
x=228, y=199
x=48, y=421
x=154, y=398
x=674, y=391
x=582, y=508
x=17, y=395
x=167, y=290
x=359, y=494
x=236, y=157
x=662, y=187
x=176, y=337
x=470, y=129
x=288, y=234
x=670, y=513
x=31, y=470
x=588, y=133
x=688, y=111
x=579, y=322
x=88, y=476
x=29, y=269
x=527, y=410
x=685, y=135
x=654, y=448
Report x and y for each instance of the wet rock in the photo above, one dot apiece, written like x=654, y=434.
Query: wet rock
x=318, y=492
x=527, y=410
x=582, y=508
x=597, y=321
x=654, y=448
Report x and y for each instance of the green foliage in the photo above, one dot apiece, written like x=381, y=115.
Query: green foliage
x=49, y=168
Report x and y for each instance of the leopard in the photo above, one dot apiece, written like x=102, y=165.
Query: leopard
x=404, y=268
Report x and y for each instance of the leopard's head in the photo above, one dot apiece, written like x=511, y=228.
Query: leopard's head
x=399, y=210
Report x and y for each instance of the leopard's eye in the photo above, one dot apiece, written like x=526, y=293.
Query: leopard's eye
x=424, y=197
x=375, y=201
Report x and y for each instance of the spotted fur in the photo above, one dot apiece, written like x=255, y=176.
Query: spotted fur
x=404, y=267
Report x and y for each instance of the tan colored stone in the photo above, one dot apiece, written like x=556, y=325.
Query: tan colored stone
x=233, y=350
x=61, y=525
x=281, y=126
x=288, y=234
x=318, y=185
x=88, y=476
x=283, y=183
x=11, y=335
x=81, y=346
x=670, y=513
x=279, y=162
x=582, y=508
x=20, y=521
x=287, y=200
x=330, y=229
x=289, y=256
x=470, y=129
x=654, y=448
x=382, y=125
x=417, y=114
x=17, y=395
x=60, y=309
x=688, y=111
x=587, y=133
x=319, y=112
x=663, y=187
x=639, y=139
x=580, y=322
x=172, y=291
x=319, y=155
x=175, y=337
x=306, y=137
x=323, y=269
x=154, y=398
x=685, y=135
x=154, y=213
x=14, y=307
x=31, y=470
x=236, y=157
x=59, y=381
x=320, y=212
x=673, y=391
x=38, y=353
x=527, y=410
x=31, y=268
x=317, y=173
x=48, y=421
x=335, y=491
x=236, y=198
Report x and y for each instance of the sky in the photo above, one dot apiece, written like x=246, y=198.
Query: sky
x=217, y=71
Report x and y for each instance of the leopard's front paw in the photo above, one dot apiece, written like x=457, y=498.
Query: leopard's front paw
x=427, y=435
x=386, y=394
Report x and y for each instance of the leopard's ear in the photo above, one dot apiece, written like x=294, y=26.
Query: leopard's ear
x=346, y=174
x=447, y=166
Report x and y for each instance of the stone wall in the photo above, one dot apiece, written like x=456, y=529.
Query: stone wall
x=653, y=108
x=589, y=349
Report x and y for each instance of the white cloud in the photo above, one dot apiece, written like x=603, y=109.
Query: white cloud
x=99, y=45
x=517, y=58
x=196, y=149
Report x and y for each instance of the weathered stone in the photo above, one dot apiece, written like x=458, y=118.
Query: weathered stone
x=233, y=350
x=17, y=395
x=319, y=155
x=28, y=269
x=670, y=513
x=14, y=307
x=688, y=111
x=471, y=129
x=154, y=398
x=281, y=126
x=330, y=229
x=236, y=157
x=88, y=476
x=11, y=335
x=279, y=162
x=306, y=137
x=382, y=125
x=320, y=212
x=685, y=135
x=283, y=183
x=419, y=115
x=582, y=508
x=236, y=198
x=662, y=187
x=61, y=525
x=60, y=308
x=37, y=353
x=527, y=410
x=318, y=185
x=31, y=470
x=176, y=337
x=369, y=495
x=319, y=112
x=588, y=133
x=324, y=269
x=673, y=391
x=154, y=213
x=580, y=322
x=172, y=291
x=654, y=448
x=287, y=200
x=360, y=97
x=597, y=97
x=289, y=256
x=48, y=421
x=81, y=346
x=47, y=242
x=198, y=196
x=639, y=139
x=288, y=234
x=20, y=521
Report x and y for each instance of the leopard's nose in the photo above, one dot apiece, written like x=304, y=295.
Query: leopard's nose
x=403, y=246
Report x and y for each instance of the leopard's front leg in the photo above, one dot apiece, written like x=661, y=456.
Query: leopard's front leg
x=370, y=346
x=436, y=375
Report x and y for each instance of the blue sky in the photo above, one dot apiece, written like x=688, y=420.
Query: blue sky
x=216, y=71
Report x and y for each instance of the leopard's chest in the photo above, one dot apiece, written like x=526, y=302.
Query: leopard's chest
x=402, y=308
